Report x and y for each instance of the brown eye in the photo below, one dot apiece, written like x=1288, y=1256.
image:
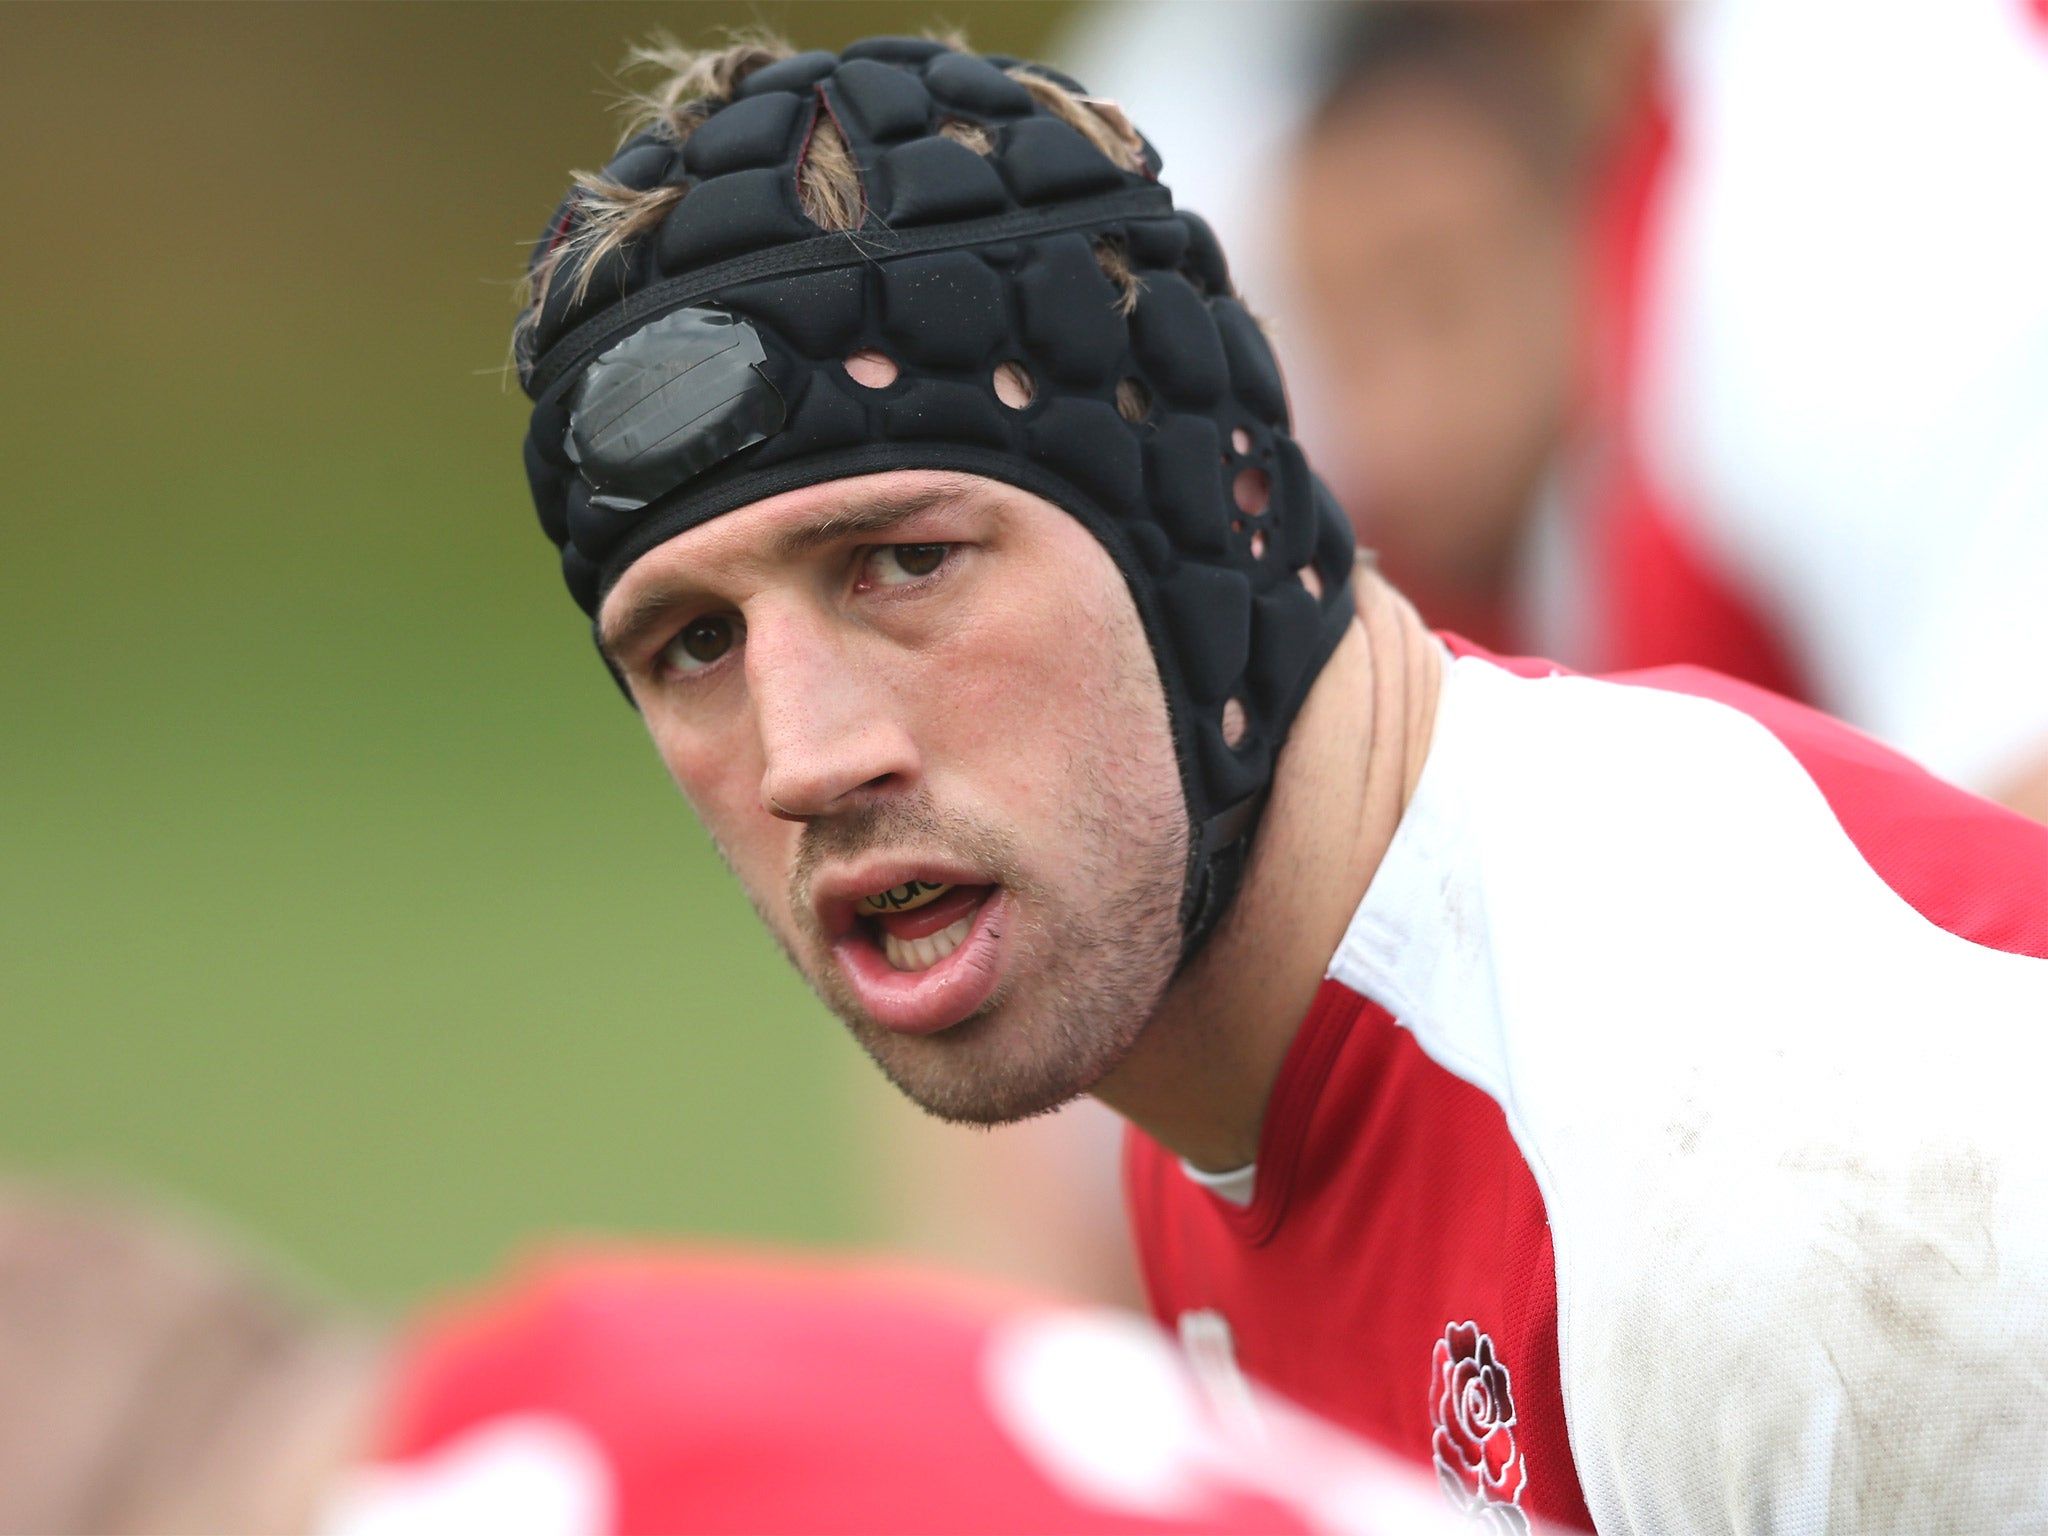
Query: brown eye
x=891, y=565
x=920, y=559
x=701, y=642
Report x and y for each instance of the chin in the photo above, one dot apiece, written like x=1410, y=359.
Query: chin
x=1073, y=992
x=996, y=1067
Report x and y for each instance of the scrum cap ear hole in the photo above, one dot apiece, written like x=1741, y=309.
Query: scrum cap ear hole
x=1133, y=400
x=1014, y=385
x=1241, y=440
x=1258, y=544
x=1251, y=490
x=1234, y=721
x=871, y=369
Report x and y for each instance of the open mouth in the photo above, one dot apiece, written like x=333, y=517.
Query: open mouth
x=919, y=923
x=924, y=952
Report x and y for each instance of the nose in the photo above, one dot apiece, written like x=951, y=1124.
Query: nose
x=831, y=728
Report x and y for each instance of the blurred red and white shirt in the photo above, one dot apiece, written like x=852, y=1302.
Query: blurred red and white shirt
x=679, y=1392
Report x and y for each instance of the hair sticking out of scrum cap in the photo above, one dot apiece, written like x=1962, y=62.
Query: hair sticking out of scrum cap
x=610, y=215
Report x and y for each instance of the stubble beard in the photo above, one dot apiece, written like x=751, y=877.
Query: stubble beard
x=1088, y=958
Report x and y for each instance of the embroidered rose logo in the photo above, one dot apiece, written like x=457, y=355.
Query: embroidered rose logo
x=1473, y=1407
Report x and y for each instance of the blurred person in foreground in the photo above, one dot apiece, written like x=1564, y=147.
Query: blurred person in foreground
x=155, y=1379
x=1532, y=1072
x=1732, y=362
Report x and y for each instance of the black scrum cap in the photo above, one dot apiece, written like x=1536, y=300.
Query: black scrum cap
x=702, y=369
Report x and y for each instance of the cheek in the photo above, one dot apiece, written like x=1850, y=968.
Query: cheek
x=710, y=770
x=990, y=700
x=1003, y=685
x=721, y=780
x=1047, y=693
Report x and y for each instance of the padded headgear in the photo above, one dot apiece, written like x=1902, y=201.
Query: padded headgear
x=703, y=369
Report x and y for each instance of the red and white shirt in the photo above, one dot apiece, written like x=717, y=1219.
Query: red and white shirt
x=1665, y=1150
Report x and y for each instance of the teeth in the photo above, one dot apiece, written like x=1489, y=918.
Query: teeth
x=903, y=898
x=922, y=954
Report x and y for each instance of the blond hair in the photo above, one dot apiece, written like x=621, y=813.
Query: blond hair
x=605, y=215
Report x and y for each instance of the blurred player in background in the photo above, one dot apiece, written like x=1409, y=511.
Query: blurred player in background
x=1437, y=213
x=1716, y=355
x=156, y=1379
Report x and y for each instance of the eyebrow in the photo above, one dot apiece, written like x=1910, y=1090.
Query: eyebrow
x=860, y=516
x=856, y=517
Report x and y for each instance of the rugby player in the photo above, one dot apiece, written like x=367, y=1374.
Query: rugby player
x=1598, y=1091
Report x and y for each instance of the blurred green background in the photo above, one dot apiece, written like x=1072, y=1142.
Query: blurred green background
x=339, y=893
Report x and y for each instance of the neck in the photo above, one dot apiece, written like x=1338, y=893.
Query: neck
x=1201, y=1074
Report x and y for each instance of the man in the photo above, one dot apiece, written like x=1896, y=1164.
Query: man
x=155, y=1379
x=1534, y=1072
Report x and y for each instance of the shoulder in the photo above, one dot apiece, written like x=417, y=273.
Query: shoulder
x=1963, y=863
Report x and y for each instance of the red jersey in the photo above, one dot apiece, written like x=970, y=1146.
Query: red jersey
x=1662, y=1150
x=675, y=1393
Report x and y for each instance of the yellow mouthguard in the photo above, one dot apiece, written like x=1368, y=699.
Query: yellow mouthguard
x=912, y=893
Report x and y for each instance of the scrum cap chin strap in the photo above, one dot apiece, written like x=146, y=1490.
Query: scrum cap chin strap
x=703, y=369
